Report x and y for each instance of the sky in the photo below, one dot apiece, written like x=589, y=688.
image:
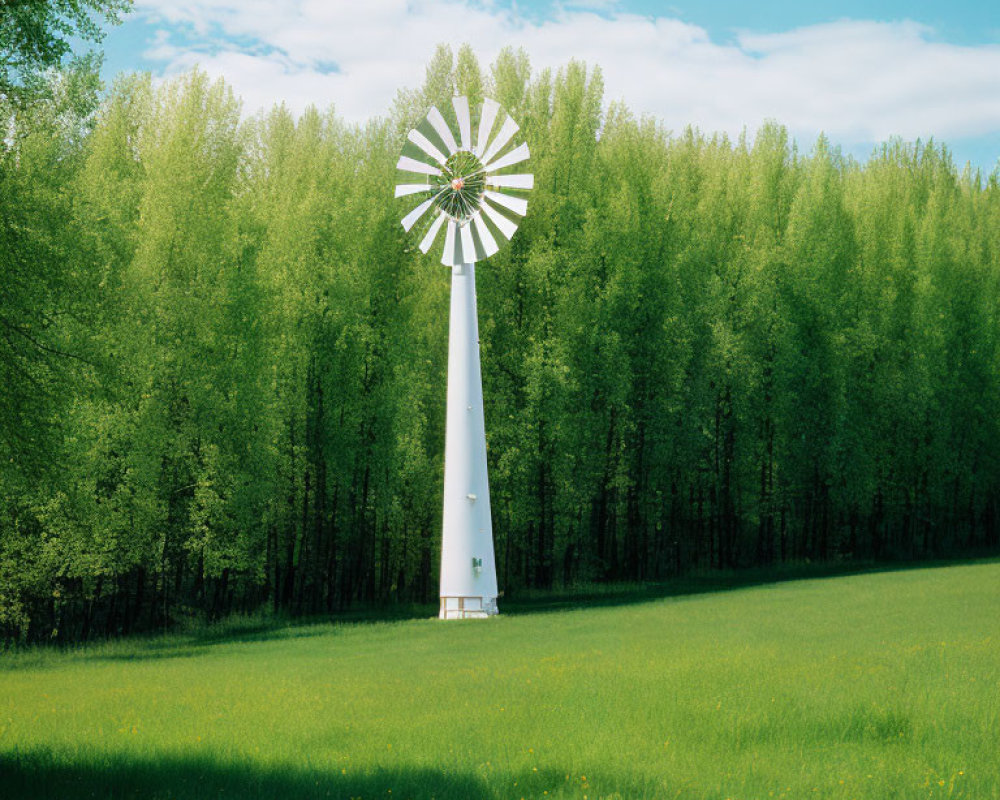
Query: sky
x=860, y=72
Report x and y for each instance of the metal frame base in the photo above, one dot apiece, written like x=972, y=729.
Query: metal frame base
x=468, y=607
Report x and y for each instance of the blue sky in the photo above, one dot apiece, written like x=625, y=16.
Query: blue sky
x=958, y=21
x=858, y=71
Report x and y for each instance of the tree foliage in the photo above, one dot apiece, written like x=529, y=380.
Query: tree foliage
x=697, y=353
x=36, y=35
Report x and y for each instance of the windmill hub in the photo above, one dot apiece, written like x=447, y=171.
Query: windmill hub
x=461, y=186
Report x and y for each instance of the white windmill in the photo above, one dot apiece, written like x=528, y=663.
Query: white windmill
x=463, y=178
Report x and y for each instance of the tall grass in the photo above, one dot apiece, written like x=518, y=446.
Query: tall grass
x=868, y=686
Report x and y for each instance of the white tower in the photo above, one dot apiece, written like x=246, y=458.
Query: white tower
x=463, y=178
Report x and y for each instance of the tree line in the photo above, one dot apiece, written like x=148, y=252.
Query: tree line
x=223, y=361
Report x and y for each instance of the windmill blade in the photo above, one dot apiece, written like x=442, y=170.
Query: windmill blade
x=403, y=189
x=428, y=241
x=461, y=105
x=512, y=181
x=505, y=226
x=468, y=245
x=489, y=243
x=437, y=122
x=412, y=165
x=427, y=146
x=516, y=204
x=486, y=120
x=515, y=156
x=507, y=131
x=448, y=256
x=416, y=214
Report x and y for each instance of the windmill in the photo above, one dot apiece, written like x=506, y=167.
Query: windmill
x=464, y=178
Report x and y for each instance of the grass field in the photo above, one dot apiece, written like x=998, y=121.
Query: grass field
x=871, y=686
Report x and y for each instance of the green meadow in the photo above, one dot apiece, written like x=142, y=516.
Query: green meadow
x=882, y=685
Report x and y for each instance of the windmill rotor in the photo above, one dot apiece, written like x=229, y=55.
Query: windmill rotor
x=463, y=181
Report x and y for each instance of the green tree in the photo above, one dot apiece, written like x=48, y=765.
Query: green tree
x=35, y=35
x=224, y=363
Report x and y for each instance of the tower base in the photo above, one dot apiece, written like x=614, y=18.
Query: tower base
x=468, y=607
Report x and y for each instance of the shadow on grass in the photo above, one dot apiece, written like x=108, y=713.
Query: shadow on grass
x=200, y=639
x=605, y=595
x=40, y=775
x=256, y=628
x=151, y=647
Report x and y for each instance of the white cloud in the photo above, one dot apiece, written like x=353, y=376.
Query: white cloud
x=858, y=81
